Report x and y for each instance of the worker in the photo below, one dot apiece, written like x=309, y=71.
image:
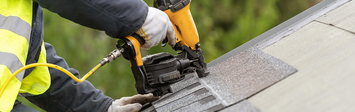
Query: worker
x=21, y=43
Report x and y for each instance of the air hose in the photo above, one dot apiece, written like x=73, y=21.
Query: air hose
x=113, y=55
x=52, y=66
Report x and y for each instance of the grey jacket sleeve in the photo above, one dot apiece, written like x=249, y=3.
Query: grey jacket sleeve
x=65, y=94
x=118, y=18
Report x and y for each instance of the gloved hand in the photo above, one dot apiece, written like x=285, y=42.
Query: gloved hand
x=133, y=103
x=156, y=27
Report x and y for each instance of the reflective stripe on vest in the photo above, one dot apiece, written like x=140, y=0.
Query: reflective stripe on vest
x=15, y=31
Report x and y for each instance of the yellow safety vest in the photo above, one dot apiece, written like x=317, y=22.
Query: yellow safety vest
x=15, y=30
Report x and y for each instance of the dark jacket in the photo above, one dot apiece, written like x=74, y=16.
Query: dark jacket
x=118, y=18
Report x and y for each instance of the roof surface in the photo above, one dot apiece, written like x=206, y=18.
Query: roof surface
x=323, y=51
x=303, y=64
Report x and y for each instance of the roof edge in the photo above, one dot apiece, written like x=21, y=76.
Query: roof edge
x=284, y=29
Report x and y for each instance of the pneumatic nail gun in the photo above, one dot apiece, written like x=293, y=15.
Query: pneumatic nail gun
x=154, y=73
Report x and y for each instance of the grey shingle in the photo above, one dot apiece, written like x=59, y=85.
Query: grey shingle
x=245, y=74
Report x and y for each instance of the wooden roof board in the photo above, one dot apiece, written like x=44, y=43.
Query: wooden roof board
x=343, y=17
x=325, y=58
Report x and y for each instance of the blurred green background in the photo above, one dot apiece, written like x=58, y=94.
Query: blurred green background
x=222, y=25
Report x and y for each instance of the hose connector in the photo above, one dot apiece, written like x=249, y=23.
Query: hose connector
x=112, y=56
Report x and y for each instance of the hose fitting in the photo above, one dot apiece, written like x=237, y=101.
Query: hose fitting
x=112, y=56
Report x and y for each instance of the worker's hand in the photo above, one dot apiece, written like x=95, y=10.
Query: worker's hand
x=133, y=103
x=156, y=27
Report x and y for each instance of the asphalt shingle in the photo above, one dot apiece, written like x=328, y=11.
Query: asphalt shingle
x=229, y=82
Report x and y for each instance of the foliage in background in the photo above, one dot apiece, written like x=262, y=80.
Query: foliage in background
x=222, y=25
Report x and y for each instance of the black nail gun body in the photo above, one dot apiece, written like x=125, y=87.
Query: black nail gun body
x=154, y=73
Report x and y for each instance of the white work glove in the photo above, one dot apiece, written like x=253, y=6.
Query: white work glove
x=156, y=27
x=133, y=103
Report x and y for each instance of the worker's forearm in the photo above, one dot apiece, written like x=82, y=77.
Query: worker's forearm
x=65, y=94
x=118, y=18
